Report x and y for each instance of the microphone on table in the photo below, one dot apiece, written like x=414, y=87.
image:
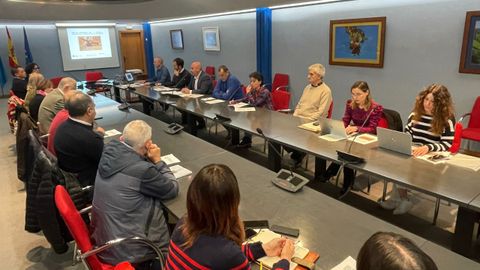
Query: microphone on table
x=347, y=156
x=287, y=180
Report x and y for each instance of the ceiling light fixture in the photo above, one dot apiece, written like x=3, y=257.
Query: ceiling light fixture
x=205, y=16
x=308, y=3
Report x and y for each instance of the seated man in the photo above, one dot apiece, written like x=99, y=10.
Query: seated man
x=54, y=102
x=200, y=84
x=78, y=147
x=131, y=182
x=162, y=75
x=228, y=87
x=314, y=103
x=19, y=84
x=181, y=76
x=61, y=117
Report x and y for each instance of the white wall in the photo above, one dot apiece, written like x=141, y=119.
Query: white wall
x=422, y=46
x=237, y=41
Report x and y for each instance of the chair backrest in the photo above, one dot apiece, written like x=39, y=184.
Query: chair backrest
x=210, y=70
x=244, y=90
x=474, y=121
x=280, y=100
x=280, y=82
x=330, y=110
x=55, y=81
x=457, y=138
x=214, y=83
x=75, y=224
x=393, y=119
x=93, y=76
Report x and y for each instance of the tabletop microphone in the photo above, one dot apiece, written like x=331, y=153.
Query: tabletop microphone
x=347, y=156
x=183, y=78
x=287, y=180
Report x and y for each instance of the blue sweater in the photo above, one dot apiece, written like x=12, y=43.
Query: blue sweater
x=229, y=89
x=162, y=75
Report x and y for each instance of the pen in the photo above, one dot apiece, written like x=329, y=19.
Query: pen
x=261, y=265
x=98, y=118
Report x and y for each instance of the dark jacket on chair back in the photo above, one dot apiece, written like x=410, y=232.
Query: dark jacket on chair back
x=127, y=202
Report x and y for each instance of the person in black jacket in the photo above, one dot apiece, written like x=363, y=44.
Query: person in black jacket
x=181, y=76
x=19, y=83
x=78, y=147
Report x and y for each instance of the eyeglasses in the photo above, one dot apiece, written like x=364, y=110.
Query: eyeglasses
x=36, y=68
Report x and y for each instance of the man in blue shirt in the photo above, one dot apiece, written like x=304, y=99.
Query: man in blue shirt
x=162, y=75
x=228, y=86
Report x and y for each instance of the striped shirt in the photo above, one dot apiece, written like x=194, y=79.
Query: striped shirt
x=421, y=134
x=214, y=252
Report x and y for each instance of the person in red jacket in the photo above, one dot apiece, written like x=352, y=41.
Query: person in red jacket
x=211, y=235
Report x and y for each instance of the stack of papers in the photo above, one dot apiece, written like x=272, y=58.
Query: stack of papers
x=265, y=236
x=348, y=264
x=244, y=109
x=364, y=138
x=311, y=127
x=435, y=157
x=162, y=88
x=214, y=101
x=208, y=98
x=111, y=133
x=464, y=161
x=170, y=159
x=239, y=105
x=180, y=171
x=192, y=95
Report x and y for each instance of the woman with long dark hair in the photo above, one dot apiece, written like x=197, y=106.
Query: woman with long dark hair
x=211, y=235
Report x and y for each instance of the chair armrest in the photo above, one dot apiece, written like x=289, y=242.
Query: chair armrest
x=282, y=86
x=118, y=241
x=463, y=117
x=87, y=188
x=287, y=111
x=87, y=209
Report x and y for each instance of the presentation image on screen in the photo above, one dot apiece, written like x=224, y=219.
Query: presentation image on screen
x=88, y=47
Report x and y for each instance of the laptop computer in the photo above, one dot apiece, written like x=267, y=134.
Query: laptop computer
x=332, y=130
x=393, y=140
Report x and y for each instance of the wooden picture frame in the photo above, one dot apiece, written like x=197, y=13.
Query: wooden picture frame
x=358, y=42
x=470, y=56
x=211, y=38
x=176, y=39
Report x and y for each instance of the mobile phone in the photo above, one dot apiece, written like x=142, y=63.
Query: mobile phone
x=249, y=233
x=256, y=224
x=285, y=230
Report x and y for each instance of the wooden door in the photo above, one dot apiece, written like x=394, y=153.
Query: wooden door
x=133, y=51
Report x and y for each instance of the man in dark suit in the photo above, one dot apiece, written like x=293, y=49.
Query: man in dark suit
x=181, y=76
x=201, y=83
x=19, y=83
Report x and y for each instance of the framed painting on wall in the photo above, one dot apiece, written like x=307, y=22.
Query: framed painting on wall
x=357, y=42
x=176, y=39
x=211, y=39
x=470, y=57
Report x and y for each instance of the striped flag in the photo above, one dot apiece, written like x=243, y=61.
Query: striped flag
x=12, y=58
x=28, y=53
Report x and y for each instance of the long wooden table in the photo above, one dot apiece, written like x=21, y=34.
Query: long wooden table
x=327, y=226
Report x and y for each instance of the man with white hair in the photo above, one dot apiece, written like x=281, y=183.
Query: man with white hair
x=54, y=102
x=314, y=103
x=162, y=75
x=131, y=183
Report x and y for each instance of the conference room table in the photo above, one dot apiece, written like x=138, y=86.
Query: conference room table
x=327, y=226
x=449, y=183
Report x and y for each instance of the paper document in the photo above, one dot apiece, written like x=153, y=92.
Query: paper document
x=238, y=105
x=215, y=101
x=111, y=132
x=208, y=98
x=192, y=95
x=331, y=138
x=348, y=264
x=364, y=138
x=162, y=88
x=244, y=109
x=465, y=161
x=311, y=127
x=435, y=157
x=180, y=171
x=170, y=159
x=265, y=236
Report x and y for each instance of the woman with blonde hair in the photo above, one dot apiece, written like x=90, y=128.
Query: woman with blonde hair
x=34, y=81
x=432, y=126
x=43, y=88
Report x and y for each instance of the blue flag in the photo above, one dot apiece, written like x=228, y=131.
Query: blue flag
x=3, y=76
x=28, y=53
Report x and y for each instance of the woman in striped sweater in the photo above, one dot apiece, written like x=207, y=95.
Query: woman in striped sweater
x=432, y=126
x=211, y=235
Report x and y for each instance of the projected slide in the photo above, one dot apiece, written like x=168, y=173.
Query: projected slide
x=89, y=43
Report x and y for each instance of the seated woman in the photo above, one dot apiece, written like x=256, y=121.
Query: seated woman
x=33, y=81
x=42, y=89
x=210, y=236
x=387, y=250
x=362, y=115
x=257, y=96
x=432, y=126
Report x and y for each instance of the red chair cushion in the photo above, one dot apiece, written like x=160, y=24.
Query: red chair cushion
x=471, y=134
x=124, y=266
x=93, y=76
x=457, y=139
x=330, y=110
x=280, y=100
x=210, y=70
x=280, y=80
x=55, y=81
x=474, y=121
x=77, y=227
